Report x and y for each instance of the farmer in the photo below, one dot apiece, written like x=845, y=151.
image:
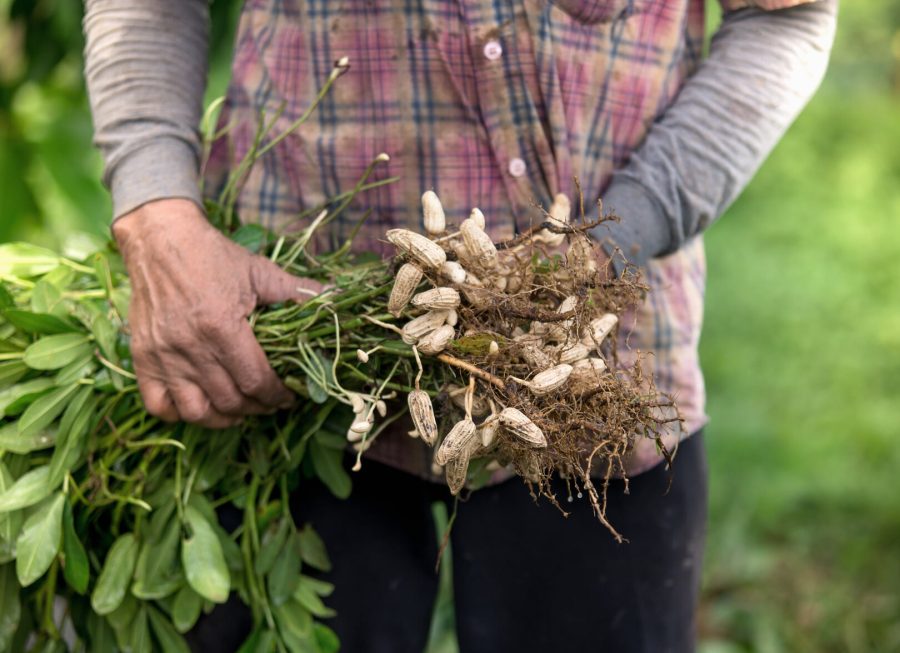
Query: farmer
x=495, y=104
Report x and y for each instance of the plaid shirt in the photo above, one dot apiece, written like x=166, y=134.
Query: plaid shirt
x=496, y=104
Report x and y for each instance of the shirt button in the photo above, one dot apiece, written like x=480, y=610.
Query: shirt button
x=517, y=167
x=493, y=50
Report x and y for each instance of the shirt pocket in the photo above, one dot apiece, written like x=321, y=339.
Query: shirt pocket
x=592, y=12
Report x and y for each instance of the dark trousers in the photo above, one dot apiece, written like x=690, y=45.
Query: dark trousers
x=526, y=579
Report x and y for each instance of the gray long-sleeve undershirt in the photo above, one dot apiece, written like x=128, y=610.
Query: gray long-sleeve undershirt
x=762, y=69
x=146, y=69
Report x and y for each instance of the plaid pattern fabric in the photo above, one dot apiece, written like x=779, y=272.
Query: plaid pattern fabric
x=492, y=103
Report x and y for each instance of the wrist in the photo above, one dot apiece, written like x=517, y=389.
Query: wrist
x=643, y=231
x=162, y=216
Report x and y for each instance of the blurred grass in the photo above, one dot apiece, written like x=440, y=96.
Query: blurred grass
x=802, y=357
x=801, y=346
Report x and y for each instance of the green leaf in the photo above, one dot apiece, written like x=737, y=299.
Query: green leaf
x=6, y=299
x=7, y=551
x=258, y=456
x=25, y=260
x=267, y=643
x=10, y=522
x=122, y=616
x=71, y=433
x=76, y=370
x=102, y=271
x=316, y=391
x=156, y=589
x=217, y=463
x=53, y=352
x=305, y=595
x=42, y=323
x=202, y=505
x=12, y=607
x=121, y=300
x=61, y=277
x=251, y=236
x=115, y=575
x=158, y=571
x=295, y=627
x=106, y=336
x=329, y=466
x=259, y=641
x=140, y=633
x=270, y=546
x=331, y=440
x=320, y=587
x=168, y=638
x=75, y=562
x=11, y=371
x=45, y=297
x=326, y=638
x=9, y=343
x=285, y=574
x=44, y=410
x=186, y=609
x=28, y=490
x=103, y=639
x=11, y=440
x=39, y=540
x=22, y=394
x=230, y=549
x=204, y=563
x=312, y=549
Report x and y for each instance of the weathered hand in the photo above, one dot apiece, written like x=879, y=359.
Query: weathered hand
x=195, y=355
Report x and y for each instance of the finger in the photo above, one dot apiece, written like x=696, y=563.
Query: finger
x=195, y=407
x=226, y=397
x=157, y=400
x=273, y=285
x=246, y=363
x=145, y=359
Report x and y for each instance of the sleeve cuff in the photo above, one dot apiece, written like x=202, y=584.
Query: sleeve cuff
x=163, y=169
x=643, y=230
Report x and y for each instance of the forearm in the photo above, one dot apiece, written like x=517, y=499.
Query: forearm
x=145, y=67
x=762, y=69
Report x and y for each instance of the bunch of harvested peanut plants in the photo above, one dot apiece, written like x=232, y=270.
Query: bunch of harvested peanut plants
x=502, y=351
x=112, y=523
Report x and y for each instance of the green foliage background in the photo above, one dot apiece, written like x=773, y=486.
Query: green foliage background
x=801, y=347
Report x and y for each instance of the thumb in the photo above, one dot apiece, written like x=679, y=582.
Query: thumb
x=272, y=284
